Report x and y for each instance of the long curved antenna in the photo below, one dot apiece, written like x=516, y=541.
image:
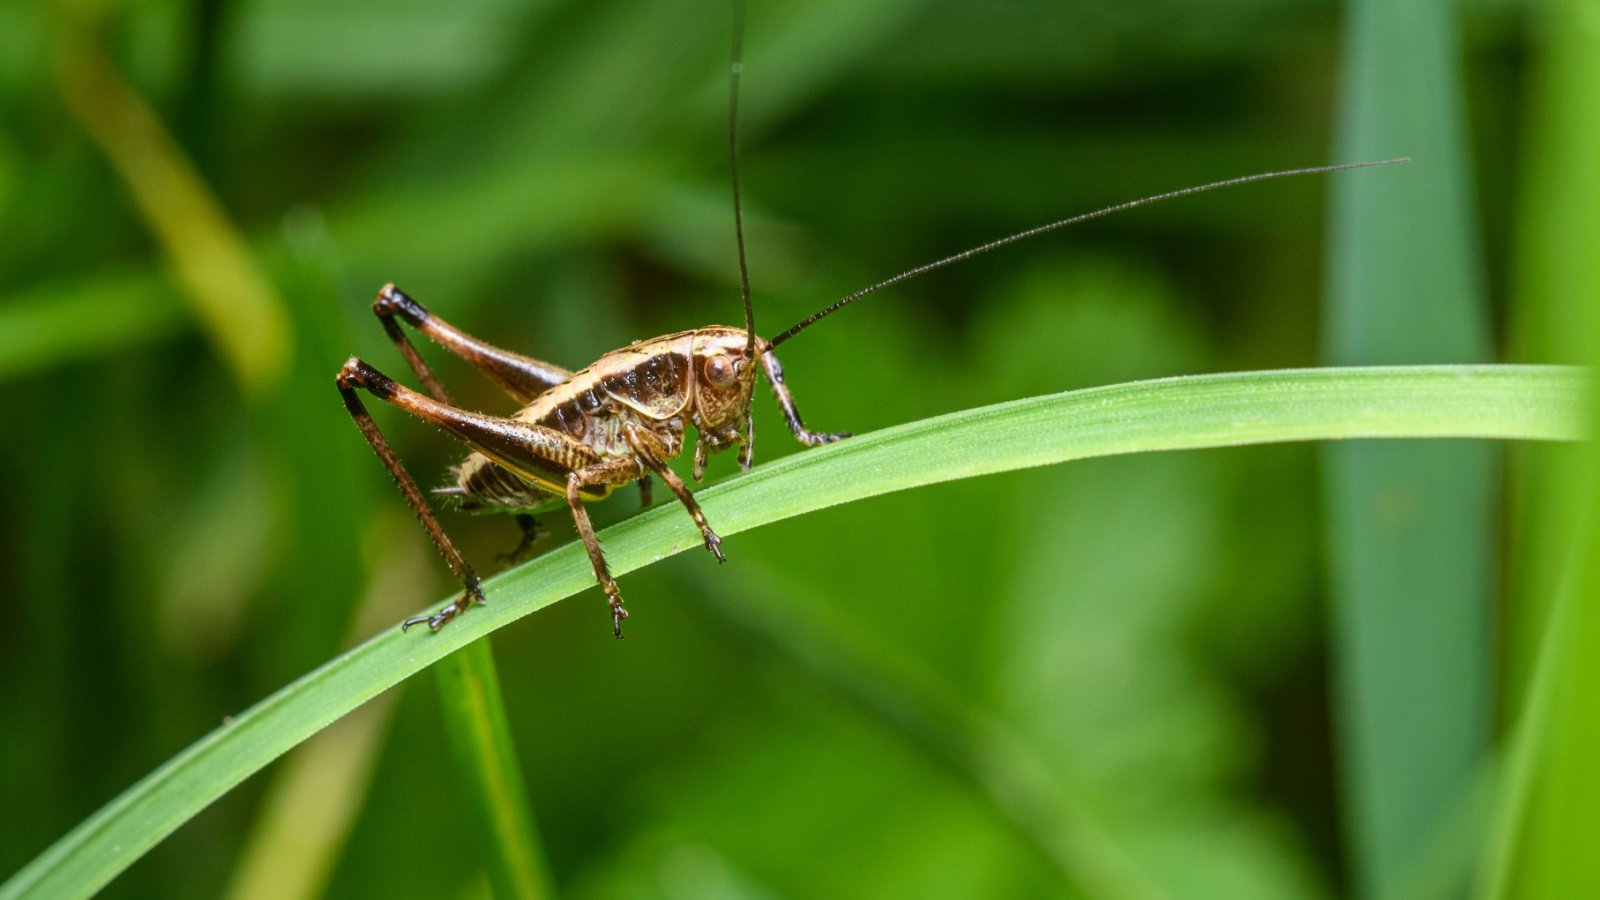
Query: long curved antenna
x=1083, y=217
x=734, y=65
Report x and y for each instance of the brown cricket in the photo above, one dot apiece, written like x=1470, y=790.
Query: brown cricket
x=580, y=435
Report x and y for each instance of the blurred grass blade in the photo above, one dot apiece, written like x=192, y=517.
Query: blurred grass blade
x=1511, y=402
x=317, y=795
x=312, y=807
x=475, y=717
x=228, y=292
x=47, y=328
x=982, y=752
x=1410, y=526
x=1550, y=787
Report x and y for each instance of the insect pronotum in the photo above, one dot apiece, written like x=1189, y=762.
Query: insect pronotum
x=580, y=435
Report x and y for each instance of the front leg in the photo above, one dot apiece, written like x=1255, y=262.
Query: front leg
x=648, y=449
x=791, y=415
x=708, y=442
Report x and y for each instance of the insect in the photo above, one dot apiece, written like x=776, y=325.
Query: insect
x=582, y=434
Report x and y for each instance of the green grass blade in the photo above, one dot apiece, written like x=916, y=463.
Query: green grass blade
x=1550, y=786
x=307, y=815
x=228, y=293
x=58, y=325
x=1508, y=402
x=475, y=717
x=318, y=792
x=983, y=752
x=1410, y=526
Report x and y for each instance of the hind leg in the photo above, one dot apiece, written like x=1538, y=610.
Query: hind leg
x=472, y=590
x=522, y=377
x=526, y=449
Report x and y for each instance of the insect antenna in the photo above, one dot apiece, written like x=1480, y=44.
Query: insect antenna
x=1073, y=220
x=736, y=63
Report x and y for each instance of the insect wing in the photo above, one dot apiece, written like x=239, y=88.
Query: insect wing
x=653, y=378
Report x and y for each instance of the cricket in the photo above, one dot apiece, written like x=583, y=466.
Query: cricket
x=621, y=420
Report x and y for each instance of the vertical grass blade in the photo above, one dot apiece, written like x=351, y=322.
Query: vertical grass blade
x=1409, y=526
x=1550, y=789
x=475, y=717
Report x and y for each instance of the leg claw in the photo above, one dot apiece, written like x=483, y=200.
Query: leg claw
x=434, y=622
x=714, y=544
x=471, y=597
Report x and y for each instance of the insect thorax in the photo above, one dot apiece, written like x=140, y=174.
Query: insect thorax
x=654, y=386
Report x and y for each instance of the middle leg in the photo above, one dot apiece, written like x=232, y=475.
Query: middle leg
x=610, y=472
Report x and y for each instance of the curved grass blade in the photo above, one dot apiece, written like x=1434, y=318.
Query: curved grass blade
x=1504, y=402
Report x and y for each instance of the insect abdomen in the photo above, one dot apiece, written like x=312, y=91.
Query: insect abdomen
x=483, y=485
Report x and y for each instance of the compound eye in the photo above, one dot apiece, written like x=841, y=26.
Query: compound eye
x=719, y=370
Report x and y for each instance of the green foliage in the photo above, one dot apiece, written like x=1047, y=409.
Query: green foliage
x=1410, y=526
x=1180, y=413
x=1540, y=846
x=1112, y=674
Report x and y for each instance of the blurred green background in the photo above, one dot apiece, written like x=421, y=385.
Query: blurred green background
x=1116, y=677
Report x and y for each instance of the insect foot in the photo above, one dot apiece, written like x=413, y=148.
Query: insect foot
x=714, y=544
x=472, y=596
x=617, y=614
x=818, y=438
